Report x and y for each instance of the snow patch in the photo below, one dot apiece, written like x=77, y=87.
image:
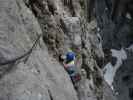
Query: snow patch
x=110, y=70
x=128, y=16
x=130, y=48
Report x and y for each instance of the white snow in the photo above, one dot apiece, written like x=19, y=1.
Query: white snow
x=130, y=48
x=110, y=70
x=128, y=16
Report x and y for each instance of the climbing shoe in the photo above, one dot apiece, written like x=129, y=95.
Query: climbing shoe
x=75, y=78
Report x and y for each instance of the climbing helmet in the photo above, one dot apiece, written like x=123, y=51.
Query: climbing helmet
x=70, y=56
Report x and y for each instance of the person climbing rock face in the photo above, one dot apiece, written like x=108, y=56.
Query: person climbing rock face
x=69, y=65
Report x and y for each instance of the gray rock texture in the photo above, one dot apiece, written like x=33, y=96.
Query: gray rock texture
x=116, y=35
x=40, y=75
x=108, y=93
x=123, y=79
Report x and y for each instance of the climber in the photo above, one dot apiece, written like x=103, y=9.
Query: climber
x=69, y=65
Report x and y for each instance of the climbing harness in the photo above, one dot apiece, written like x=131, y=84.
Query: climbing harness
x=73, y=73
x=75, y=78
x=22, y=56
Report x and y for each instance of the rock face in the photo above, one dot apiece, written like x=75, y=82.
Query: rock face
x=117, y=43
x=123, y=79
x=64, y=29
x=108, y=93
x=39, y=75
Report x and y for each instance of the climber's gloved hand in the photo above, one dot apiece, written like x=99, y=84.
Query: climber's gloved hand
x=62, y=58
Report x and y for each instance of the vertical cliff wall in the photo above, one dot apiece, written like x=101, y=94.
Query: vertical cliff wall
x=116, y=33
x=39, y=75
